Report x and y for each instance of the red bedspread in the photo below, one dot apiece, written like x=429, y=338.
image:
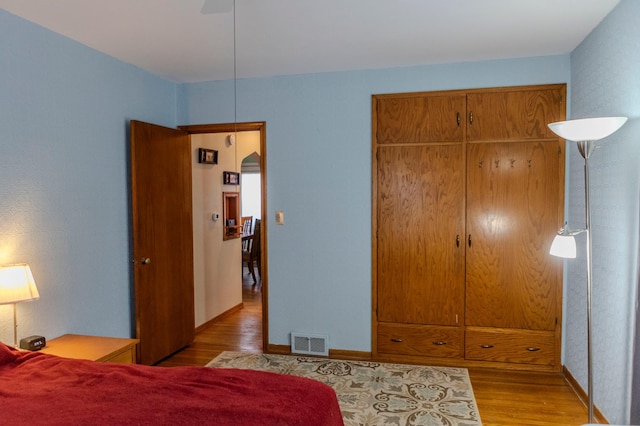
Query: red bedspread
x=37, y=388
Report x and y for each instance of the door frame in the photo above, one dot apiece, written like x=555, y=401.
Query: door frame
x=261, y=127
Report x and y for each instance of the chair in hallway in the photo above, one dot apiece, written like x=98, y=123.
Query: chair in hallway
x=246, y=222
x=252, y=254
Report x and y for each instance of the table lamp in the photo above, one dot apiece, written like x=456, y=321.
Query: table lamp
x=16, y=285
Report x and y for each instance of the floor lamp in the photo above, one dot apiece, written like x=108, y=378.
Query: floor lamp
x=585, y=132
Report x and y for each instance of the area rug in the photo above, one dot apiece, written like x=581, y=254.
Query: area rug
x=373, y=393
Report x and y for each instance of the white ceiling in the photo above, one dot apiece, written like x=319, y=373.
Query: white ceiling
x=173, y=39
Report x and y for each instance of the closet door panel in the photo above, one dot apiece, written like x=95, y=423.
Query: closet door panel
x=512, y=216
x=513, y=115
x=420, y=119
x=420, y=266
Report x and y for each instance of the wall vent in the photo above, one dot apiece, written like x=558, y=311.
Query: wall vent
x=309, y=344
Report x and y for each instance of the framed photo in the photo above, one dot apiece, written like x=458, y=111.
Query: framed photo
x=207, y=156
x=231, y=178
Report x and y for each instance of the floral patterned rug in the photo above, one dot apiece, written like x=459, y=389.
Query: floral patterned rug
x=373, y=393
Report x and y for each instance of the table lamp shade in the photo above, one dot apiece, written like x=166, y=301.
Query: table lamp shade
x=17, y=284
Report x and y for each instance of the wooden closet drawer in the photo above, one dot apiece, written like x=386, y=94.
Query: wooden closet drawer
x=507, y=345
x=422, y=340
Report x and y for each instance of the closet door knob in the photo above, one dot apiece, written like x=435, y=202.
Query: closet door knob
x=470, y=117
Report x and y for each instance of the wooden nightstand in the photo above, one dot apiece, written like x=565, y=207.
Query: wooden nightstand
x=94, y=348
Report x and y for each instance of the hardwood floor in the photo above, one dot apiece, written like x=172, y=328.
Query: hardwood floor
x=505, y=398
x=240, y=331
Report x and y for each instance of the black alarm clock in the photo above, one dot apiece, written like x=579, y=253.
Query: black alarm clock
x=33, y=343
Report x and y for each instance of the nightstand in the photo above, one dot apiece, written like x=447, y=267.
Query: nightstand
x=94, y=348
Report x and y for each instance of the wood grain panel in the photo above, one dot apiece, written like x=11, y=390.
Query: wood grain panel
x=163, y=233
x=94, y=348
x=420, y=119
x=420, y=275
x=512, y=217
x=514, y=115
x=519, y=346
x=425, y=340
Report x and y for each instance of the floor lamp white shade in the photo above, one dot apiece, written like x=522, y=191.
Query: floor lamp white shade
x=587, y=129
x=16, y=285
x=585, y=132
x=563, y=246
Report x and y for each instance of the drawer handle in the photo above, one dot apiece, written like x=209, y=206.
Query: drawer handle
x=396, y=340
x=531, y=349
x=486, y=346
x=439, y=343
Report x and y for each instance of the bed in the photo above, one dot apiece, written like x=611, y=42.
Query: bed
x=38, y=388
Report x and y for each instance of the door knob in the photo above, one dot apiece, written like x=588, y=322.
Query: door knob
x=145, y=261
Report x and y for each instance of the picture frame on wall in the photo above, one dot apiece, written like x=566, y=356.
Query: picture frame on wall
x=231, y=178
x=207, y=156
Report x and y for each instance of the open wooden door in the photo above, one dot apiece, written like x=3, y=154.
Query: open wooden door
x=162, y=240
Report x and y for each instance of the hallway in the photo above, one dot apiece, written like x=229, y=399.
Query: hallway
x=239, y=331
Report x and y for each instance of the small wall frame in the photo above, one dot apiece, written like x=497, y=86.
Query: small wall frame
x=207, y=156
x=231, y=212
x=231, y=178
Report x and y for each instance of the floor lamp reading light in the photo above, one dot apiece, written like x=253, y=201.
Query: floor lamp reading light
x=585, y=132
x=16, y=285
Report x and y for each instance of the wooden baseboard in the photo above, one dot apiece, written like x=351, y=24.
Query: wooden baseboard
x=223, y=315
x=349, y=355
x=278, y=349
x=333, y=353
x=582, y=395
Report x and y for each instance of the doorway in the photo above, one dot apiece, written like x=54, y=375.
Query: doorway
x=260, y=127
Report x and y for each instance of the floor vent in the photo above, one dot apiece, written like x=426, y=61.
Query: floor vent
x=309, y=344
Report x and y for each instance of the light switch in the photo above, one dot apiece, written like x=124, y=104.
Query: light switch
x=279, y=217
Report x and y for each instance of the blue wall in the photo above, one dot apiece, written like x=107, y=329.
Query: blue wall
x=64, y=204
x=319, y=174
x=605, y=76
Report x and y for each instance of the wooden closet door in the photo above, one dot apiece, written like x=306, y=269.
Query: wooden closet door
x=514, y=113
x=420, y=266
x=420, y=118
x=512, y=217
